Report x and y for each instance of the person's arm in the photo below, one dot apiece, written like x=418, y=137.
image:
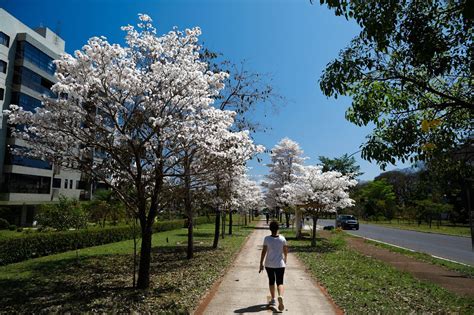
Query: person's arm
x=285, y=253
x=262, y=257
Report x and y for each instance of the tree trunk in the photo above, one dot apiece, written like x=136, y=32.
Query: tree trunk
x=217, y=228
x=190, y=251
x=188, y=207
x=134, y=252
x=143, y=281
x=467, y=198
x=251, y=213
x=245, y=215
x=287, y=217
x=313, y=239
x=223, y=225
x=298, y=223
x=230, y=222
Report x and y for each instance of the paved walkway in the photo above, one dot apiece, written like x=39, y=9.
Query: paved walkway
x=243, y=290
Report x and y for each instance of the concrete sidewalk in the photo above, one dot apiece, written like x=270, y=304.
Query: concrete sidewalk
x=243, y=290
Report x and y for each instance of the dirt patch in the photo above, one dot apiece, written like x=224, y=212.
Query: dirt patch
x=450, y=280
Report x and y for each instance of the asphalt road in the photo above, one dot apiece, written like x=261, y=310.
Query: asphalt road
x=455, y=248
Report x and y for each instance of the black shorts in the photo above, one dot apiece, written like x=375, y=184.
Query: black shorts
x=275, y=274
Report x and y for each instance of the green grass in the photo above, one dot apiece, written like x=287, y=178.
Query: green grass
x=442, y=229
x=101, y=280
x=360, y=284
x=463, y=269
x=5, y=234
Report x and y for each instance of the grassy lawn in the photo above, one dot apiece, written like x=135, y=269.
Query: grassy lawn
x=463, y=269
x=360, y=284
x=442, y=229
x=5, y=234
x=101, y=280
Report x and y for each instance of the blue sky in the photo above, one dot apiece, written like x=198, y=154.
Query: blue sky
x=290, y=40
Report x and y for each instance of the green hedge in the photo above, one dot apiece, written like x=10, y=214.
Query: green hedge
x=46, y=243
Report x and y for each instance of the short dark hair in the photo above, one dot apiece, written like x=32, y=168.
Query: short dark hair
x=274, y=226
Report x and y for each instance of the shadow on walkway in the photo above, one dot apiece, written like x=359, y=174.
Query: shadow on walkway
x=261, y=228
x=253, y=309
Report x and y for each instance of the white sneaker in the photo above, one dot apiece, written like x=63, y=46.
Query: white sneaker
x=281, y=307
x=272, y=302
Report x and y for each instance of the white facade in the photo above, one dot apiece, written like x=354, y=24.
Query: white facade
x=26, y=72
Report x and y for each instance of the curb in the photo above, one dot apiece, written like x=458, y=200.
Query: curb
x=411, y=250
x=427, y=232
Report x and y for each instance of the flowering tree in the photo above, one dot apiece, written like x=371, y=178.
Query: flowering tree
x=209, y=140
x=119, y=113
x=286, y=163
x=246, y=195
x=228, y=168
x=316, y=192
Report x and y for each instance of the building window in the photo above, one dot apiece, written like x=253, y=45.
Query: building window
x=70, y=184
x=27, y=102
x=34, y=81
x=2, y=92
x=3, y=66
x=32, y=54
x=56, y=182
x=23, y=160
x=4, y=39
x=26, y=184
x=81, y=184
x=65, y=183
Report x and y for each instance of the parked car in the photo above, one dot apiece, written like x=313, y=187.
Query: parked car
x=347, y=221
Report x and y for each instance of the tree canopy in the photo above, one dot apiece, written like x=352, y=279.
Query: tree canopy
x=345, y=164
x=409, y=72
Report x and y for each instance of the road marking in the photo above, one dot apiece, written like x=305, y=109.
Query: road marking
x=411, y=250
x=450, y=260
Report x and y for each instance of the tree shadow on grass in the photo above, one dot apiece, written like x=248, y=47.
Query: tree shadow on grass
x=67, y=285
x=101, y=283
x=198, y=234
x=303, y=245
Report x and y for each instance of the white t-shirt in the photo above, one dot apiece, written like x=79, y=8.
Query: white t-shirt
x=275, y=255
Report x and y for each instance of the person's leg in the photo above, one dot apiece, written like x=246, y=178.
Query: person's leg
x=271, y=281
x=272, y=291
x=280, y=272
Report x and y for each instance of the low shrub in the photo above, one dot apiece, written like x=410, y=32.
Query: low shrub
x=4, y=224
x=65, y=214
x=40, y=244
x=12, y=227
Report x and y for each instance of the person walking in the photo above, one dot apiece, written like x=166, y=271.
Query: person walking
x=267, y=216
x=275, y=252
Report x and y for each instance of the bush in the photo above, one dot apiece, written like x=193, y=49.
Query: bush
x=20, y=229
x=105, y=206
x=12, y=227
x=64, y=215
x=47, y=243
x=4, y=224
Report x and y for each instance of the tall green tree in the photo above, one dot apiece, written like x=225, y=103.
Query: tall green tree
x=345, y=164
x=410, y=73
x=405, y=185
x=378, y=199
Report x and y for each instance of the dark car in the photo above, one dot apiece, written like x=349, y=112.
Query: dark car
x=347, y=222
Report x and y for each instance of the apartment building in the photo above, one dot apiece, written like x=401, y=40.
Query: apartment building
x=27, y=73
